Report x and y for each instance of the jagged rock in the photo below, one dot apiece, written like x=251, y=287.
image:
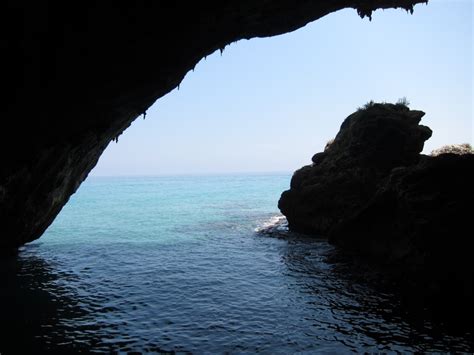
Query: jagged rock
x=342, y=179
x=376, y=197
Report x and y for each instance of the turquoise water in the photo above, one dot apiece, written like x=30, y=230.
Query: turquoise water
x=187, y=264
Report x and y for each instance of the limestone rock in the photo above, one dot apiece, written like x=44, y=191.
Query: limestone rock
x=343, y=178
x=376, y=197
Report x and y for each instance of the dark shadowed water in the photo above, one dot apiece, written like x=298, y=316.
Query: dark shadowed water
x=184, y=264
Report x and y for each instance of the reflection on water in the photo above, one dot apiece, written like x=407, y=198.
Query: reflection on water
x=33, y=303
x=363, y=312
x=248, y=293
x=194, y=264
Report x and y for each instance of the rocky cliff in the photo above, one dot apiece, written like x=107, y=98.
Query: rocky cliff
x=370, y=143
x=373, y=195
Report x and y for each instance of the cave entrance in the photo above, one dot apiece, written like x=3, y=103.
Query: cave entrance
x=267, y=105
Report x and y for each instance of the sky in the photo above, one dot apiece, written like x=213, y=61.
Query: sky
x=269, y=104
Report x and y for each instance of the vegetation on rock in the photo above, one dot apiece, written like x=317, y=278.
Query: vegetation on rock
x=401, y=103
x=459, y=149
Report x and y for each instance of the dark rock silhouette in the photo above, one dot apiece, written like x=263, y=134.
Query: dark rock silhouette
x=374, y=196
x=77, y=76
x=419, y=213
x=418, y=227
x=342, y=179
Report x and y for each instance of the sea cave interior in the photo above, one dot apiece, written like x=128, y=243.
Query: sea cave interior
x=367, y=248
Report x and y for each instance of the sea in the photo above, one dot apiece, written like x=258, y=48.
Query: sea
x=196, y=264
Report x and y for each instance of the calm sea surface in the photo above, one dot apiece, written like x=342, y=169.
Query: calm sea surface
x=181, y=264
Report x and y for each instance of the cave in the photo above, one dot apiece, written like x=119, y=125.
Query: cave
x=77, y=76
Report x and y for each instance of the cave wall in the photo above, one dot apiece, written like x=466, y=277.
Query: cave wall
x=76, y=74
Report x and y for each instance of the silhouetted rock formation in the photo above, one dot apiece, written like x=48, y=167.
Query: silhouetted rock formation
x=343, y=178
x=76, y=76
x=374, y=195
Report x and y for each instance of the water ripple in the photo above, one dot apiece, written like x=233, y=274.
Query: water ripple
x=211, y=286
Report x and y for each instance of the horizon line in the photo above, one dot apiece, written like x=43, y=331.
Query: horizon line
x=271, y=172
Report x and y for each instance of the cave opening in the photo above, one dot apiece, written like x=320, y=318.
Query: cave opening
x=239, y=109
x=161, y=248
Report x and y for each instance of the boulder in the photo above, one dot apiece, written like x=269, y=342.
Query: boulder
x=379, y=200
x=343, y=178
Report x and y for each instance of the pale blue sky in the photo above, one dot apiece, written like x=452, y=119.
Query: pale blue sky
x=269, y=104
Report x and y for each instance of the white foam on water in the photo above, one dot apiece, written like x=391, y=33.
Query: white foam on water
x=272, y=223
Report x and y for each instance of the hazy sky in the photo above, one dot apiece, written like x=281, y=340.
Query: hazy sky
x=269, y=104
